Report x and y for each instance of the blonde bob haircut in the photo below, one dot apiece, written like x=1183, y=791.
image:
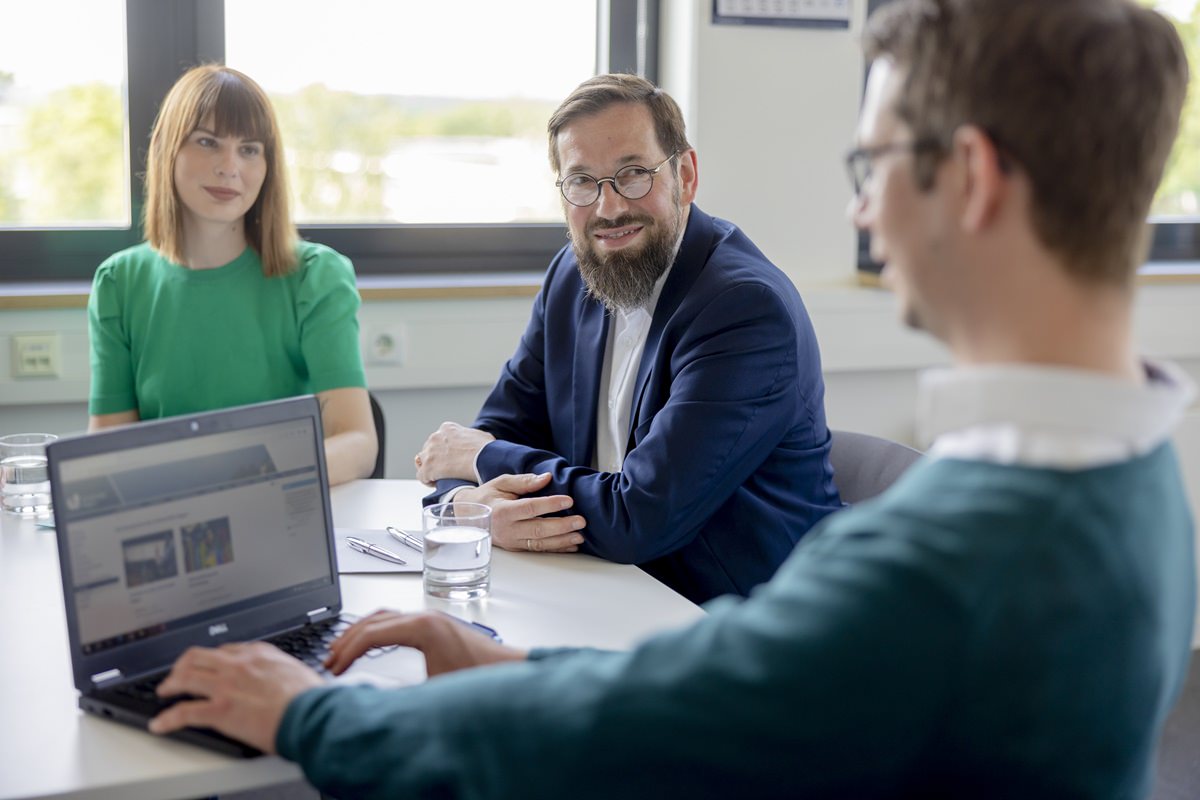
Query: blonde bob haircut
x=238, y=107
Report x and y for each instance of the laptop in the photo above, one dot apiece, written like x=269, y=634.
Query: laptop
x=198, y=530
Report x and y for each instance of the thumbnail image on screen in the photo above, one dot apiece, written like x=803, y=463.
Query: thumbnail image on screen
x=207, y=544
x=149, y=558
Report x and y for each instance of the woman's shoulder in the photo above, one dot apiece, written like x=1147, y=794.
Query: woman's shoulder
x=322, y=271
x=130, y=264
x=321, y=267
x=314, y=255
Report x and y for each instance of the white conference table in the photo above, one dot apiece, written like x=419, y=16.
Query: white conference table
x=48, y=748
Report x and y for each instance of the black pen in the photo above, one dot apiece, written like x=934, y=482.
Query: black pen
x=374, y=550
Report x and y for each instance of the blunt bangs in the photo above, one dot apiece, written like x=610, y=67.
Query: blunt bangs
x=237, y=110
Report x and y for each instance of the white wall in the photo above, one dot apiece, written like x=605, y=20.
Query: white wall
x=771, y=111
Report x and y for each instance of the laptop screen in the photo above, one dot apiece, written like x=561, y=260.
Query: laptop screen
x=167, y=535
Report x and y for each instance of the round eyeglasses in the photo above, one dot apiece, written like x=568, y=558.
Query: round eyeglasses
x=632, y=182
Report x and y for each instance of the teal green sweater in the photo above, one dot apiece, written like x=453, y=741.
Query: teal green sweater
x=979, y=631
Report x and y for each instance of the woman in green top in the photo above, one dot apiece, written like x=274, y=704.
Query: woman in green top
x=223, y=304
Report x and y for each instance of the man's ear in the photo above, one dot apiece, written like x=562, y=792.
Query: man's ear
x=983, y=184
x=689, y=176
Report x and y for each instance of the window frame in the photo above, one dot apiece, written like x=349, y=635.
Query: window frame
x=1174, y=242
x=166, y=37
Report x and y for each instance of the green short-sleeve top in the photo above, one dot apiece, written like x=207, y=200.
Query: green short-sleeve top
x=168, y=340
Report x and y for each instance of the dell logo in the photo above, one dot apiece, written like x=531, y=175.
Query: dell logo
x=218, y=629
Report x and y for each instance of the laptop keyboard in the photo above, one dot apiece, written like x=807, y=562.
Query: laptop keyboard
x=309, y=644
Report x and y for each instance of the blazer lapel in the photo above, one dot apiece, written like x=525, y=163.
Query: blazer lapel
x=591, y=333
x=689, y=262
x=688, y=265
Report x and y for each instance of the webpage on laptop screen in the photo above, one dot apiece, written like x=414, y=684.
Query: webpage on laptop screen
x=167, y=535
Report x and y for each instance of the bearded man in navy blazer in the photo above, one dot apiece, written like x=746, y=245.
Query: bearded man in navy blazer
x=668, y=388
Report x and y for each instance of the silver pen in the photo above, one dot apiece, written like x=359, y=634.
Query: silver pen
x=407, y=538
x=374, y=550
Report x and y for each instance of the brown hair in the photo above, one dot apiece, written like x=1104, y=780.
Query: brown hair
x=239, y=107
x=1084, y=95
x=596, y=94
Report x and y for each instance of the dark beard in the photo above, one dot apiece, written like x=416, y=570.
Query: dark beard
x=621, y=279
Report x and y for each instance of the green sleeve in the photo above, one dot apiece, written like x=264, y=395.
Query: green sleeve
x=827, y=681
x=327, y=308
x=112, y=384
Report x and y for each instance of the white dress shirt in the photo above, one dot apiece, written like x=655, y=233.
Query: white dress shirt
x=1049, y=417
x=627, y=334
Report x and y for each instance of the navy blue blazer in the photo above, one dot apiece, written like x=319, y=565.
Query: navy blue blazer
x=728, y=455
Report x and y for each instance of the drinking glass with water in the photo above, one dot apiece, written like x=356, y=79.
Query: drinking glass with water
x=24, y=478
x=458, y=550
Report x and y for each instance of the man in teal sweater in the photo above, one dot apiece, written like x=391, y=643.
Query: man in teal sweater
x=1012, y=619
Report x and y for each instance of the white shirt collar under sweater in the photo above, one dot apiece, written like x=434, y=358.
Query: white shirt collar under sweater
x=1051, y=417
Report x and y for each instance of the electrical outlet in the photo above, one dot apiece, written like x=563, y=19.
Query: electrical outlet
x=385, y=346
x=35, y=355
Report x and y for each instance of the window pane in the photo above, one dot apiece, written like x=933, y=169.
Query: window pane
x=399, y=111
x=63, y=154
x=1179, y=194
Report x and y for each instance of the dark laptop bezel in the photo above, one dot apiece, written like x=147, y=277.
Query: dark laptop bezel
x=156, y=653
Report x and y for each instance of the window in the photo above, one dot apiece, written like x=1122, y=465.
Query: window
x=63, y=160
x=1176, y=210
x=394, y=125
x=1175, y=214
x=414, y=132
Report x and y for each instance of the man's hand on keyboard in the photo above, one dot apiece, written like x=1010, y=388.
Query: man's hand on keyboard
x=447, y=643
x=242, y=691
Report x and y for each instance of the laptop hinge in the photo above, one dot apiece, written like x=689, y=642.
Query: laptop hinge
x=107, y=678
x=318, y=614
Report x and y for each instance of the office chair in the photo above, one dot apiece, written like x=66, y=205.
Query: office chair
x=865, y=465
x=380, y=433
x=1177, y=762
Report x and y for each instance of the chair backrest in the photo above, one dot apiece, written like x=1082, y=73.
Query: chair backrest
x=380, y=433
x=866, y=465
x=1177, y=763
